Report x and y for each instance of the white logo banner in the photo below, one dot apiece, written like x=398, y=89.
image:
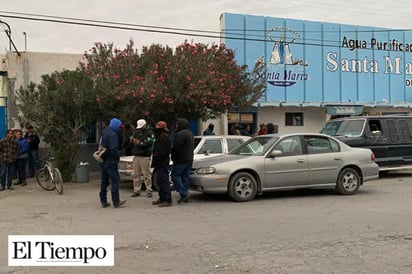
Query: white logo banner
x=61, y=250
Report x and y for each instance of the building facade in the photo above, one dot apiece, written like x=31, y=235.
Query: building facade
x=18, y=70
x=316, y=71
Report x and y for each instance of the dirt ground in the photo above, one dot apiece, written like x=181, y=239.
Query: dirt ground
x=308, y=231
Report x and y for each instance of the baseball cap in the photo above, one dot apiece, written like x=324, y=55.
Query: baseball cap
x=162, y=124
x=141, y=123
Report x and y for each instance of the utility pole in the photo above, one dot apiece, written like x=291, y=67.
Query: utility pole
x=25, y=63
x=25, y=41
x=8, y=33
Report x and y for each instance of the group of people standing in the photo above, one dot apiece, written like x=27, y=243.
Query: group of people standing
x=245, y=130
x=150, y=149
x=16, y=151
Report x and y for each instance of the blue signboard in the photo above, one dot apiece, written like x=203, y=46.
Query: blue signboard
x=3, y=121
x=324, y=63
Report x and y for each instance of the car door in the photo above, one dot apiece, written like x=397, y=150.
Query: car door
x=324, y=159
x=288, y=169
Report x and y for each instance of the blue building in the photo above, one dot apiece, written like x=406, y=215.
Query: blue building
x=316, y=71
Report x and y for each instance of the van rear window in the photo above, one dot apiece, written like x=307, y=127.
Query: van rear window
x=346, y=128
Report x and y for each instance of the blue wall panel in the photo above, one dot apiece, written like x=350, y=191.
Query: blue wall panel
x=331, y=48
x=325, y=62
x=365, y=79
x=312, y=35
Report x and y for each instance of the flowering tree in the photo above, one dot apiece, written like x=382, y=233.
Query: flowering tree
x=195, y=81
x=60, y=106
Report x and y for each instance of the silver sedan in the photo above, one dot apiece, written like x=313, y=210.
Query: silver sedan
x=273, y=162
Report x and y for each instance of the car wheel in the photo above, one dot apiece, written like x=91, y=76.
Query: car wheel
x=242, y=187
x=348, y=181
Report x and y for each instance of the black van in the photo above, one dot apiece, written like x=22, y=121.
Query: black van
x=389, y=137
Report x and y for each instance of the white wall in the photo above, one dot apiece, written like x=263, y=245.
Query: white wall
x=29, y=67
x=38, y=65
x=313, y=118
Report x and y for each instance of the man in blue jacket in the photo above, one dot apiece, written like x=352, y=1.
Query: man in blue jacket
x=109, y=167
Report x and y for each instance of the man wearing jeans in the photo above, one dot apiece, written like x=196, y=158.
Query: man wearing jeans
x=33, y=153
x=182, y=157
x=9, y=150
x=160, y=163
x=109, y=167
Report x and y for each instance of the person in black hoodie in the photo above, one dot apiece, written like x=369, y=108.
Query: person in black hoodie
x=33, y=154
x=160, y=162
x=182, y=157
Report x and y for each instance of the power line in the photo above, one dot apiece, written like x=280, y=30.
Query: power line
x=105, y=22
x=228, y=34
x=111, y=25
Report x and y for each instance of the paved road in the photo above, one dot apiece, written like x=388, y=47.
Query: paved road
x=306, y=231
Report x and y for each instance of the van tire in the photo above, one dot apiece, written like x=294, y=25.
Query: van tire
x=348, y=181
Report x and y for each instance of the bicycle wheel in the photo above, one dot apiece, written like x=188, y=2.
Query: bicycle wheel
x=58, y=181
x=44, y=180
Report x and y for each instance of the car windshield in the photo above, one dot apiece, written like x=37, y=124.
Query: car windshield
x=255, y=146
x=347, y=128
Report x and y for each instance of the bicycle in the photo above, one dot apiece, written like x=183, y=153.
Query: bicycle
x=49, y=177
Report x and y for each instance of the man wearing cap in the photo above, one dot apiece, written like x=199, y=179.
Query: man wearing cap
x=142, y=141
x=160, y=162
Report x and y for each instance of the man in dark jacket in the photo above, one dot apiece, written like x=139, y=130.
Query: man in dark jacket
x=33, y=154
x=160, y=163
x=182, y=157
x=209, y=130
x=142, y=141
x=109, y=167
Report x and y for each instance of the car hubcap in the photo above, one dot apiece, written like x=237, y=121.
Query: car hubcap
x=349, y=181
x=243, y=187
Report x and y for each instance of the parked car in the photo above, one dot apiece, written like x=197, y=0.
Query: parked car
x=205, y=146
x=292, y=161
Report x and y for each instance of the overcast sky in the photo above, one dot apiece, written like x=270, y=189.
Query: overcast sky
x=181, y=14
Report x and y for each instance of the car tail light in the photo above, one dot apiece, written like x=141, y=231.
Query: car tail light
x=372, y=157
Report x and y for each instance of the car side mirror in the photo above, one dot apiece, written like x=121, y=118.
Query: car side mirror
x=276, y=153
x=207, y=152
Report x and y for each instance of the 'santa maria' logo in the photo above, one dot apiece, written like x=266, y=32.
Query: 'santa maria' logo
x=283, y=69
